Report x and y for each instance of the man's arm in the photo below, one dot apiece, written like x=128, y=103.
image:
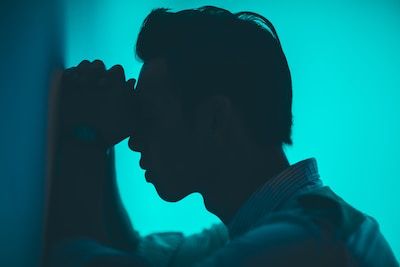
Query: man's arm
x=285, y=242
x=84, y=199
x=83, y=195
x=102, y=236
x=87, y=223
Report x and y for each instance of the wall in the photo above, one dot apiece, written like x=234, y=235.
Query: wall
x=30, y=50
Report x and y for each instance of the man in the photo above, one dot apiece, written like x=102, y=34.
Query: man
x=210, y=114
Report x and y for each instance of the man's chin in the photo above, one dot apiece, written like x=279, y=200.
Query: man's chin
x=165, y=191
x=169, y=196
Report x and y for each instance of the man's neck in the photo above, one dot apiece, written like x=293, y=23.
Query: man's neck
x=239, y=178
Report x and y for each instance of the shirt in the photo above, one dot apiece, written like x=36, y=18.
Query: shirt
x=297, y=178
x=267, y=232
x=188, y=251
x=166, y=249
x=259, y=235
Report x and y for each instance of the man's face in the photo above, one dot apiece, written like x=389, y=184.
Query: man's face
x=169, y=151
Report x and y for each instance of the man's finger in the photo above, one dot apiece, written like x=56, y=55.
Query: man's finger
x=68, y=73
x=98, y=65
x=116, y=73
x=115, y=78
x=131, y=84
x=91, y=71
x=97, y=69
x=69, y=78
x=84, y=65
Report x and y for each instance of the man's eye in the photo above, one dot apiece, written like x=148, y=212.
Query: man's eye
x=148, y=121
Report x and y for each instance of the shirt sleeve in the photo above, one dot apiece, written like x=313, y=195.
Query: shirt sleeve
x=80, y=252
x=197, y=247
x=166, y=249
x=176, y=250
x=284, y=243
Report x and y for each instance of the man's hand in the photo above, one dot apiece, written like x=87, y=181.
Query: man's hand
x=95, y=103
x=84, y=199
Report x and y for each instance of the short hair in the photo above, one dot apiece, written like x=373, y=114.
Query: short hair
x=211, y=51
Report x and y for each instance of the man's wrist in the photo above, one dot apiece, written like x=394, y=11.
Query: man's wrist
x=84, y=138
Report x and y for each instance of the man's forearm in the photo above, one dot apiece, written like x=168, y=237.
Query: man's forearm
x=84, y=200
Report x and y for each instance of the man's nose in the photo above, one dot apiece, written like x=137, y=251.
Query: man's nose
x=134, y=145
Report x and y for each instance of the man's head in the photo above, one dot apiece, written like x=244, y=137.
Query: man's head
x=210, y=80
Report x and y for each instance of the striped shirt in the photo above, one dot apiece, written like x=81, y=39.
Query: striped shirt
x=249, y=239
x=264, y=233
x=275, y=192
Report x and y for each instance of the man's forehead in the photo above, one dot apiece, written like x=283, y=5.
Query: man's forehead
x=152, y=82
x=152, y=78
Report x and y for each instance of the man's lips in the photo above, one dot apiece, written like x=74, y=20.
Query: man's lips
x=143, y=165
x=147, y=175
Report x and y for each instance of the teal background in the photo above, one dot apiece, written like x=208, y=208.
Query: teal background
x=344, y=58
x=31, y=50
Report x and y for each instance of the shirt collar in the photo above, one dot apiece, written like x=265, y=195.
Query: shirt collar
x=274, y=193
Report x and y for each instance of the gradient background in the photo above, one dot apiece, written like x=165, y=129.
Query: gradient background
x=344, y=58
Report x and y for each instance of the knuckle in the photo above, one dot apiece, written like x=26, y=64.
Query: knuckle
x=98, y=64
x=116, y=72
x=69, y=73
x=117, y=68
x=131, y=83
x=84, y=63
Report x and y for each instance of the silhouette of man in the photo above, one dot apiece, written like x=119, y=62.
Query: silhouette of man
x=211, y=113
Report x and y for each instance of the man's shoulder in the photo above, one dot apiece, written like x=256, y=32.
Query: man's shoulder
x=314, y=228
x=309, y=230
x=325, y=209
x=284, y=241
x=325, y=222
x=319, y=215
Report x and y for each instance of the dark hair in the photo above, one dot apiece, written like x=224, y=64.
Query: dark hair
x=210, y=51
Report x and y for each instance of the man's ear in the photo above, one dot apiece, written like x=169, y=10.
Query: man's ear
x=213, y=118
